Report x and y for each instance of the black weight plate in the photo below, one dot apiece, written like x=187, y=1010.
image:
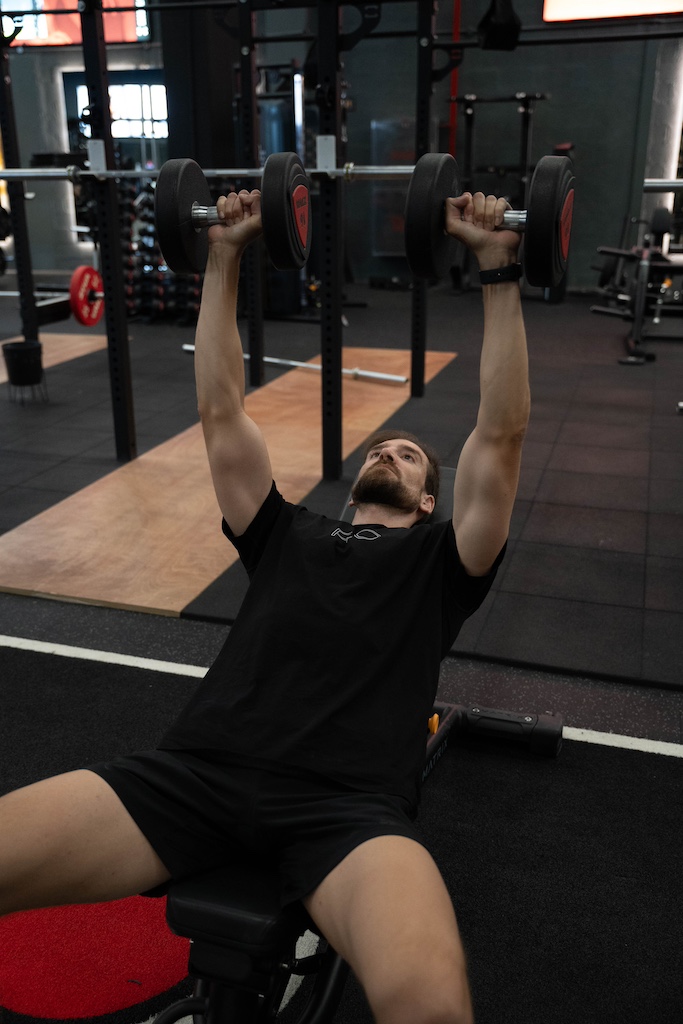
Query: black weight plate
x=285, y=211
x=5, y=224
x=549, y=222
x=180, y=185
x=429, y=249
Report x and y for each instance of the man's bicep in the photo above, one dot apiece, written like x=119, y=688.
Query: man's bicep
x=483, y=498
x=240, y=468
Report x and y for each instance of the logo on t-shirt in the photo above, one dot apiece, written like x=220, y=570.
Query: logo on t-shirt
x=365, y=534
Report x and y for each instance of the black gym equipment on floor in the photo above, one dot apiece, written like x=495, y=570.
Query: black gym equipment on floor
x=643, y=285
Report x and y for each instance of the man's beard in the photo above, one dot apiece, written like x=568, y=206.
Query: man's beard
x=383, y=488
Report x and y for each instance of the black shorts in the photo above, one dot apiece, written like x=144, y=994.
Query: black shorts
x=197, y=814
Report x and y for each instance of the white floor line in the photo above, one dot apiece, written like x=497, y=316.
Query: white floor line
x=606, y=739
x=109, y=657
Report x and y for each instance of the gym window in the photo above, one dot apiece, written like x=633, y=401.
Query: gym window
x=139, y=115
x=137, y=111
x=139, y=127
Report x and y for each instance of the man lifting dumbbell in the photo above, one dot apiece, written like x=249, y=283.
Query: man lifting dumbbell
x=305, y=742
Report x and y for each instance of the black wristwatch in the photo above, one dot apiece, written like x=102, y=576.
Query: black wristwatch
x=512, y=272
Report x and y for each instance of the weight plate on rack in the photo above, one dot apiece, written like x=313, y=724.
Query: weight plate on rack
x=86, y=295
x=429, y=249
x=181, y=185
x=549, y=222
x=285, y=211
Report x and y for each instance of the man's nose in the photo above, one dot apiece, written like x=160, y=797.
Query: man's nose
x=386, y=454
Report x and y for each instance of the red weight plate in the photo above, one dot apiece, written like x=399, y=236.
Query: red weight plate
x=86, y=295
x=566, y=224
x=301, y=213
x=286, y=237
x=548, y=222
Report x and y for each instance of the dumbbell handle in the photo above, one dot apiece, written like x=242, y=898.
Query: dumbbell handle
x=207, y=216
x=514, y=219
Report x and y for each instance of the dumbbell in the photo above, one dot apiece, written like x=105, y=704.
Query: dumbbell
x=183, y=210
x=546, y=224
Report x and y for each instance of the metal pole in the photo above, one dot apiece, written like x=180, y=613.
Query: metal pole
x=15, y=191
x=107, y=206
x=251, y=261
x=526, y=110
x=418, y=318
x=332, y=242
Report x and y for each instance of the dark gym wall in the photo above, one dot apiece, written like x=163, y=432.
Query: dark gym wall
x=198, y=57
x=600, y=99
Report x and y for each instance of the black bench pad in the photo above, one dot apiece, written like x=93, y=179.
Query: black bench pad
x=235, y=906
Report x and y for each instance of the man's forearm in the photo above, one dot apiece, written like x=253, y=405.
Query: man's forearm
x=504, y=368
x=219, y=361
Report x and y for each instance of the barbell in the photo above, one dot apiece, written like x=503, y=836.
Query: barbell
x=183, y=210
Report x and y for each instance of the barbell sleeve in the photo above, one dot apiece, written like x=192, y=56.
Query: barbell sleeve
x=206, y=216
x=663, y=185
x=74, y=173
x=356, y=373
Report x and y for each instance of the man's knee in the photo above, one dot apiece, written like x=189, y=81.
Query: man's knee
x=423, y=1008
x=425, y=998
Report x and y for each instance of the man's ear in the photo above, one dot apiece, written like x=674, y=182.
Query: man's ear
x=427, y=504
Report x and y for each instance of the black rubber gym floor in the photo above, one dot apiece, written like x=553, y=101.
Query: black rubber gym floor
x=593, y=582
x=563, y=871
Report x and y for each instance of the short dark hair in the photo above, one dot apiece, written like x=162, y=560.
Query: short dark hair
x=433, y=475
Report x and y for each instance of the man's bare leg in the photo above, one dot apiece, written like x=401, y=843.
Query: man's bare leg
x=69, y=839
x=386, y=911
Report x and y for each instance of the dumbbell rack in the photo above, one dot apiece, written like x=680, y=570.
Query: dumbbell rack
x=152, y=291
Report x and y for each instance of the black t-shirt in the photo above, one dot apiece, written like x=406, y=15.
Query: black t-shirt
x=332, y=664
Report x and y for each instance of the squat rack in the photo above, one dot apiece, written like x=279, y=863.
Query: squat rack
x=107, y=214
x=331, y=43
